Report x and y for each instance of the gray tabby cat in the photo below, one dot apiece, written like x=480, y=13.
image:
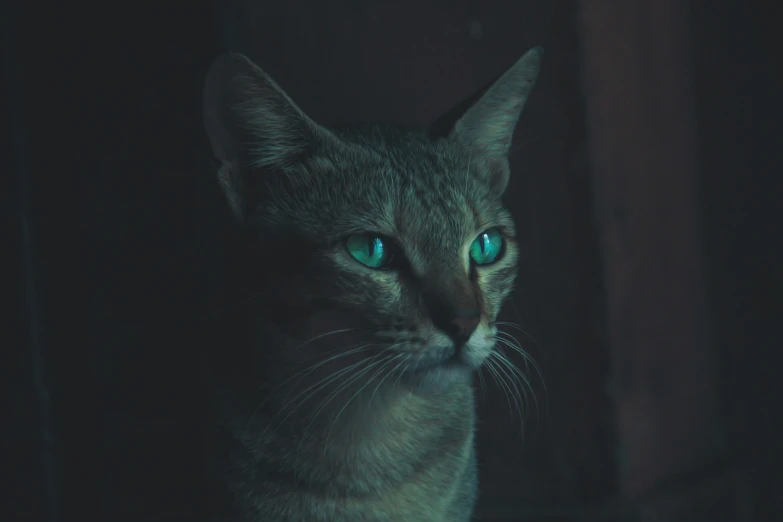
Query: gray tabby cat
x=383, y=256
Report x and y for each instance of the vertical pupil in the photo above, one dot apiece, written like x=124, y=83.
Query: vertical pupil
x=484, y=241
x=371, y=247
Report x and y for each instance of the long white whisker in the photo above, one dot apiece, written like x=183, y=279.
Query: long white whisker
x=515, y=395
x=510, y=341
x=318, y=386
x=513, y=343
x=491, y=366
x=348, y=382
x=380, y=370
x=321, y=336
x=306, y=372
x=407, y=365
x=482, y=384
x=342, y=387
x=314, y=367
x=523, y=379
x=404, y=358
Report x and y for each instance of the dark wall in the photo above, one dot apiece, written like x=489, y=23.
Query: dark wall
x=737, y=65
x=120, y=199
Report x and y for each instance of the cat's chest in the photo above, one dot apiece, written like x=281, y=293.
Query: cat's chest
x=442, y=492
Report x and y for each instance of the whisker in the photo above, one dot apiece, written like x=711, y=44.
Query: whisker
x=343, y=386
x=407, y=365
x=344, y=352
x=482, y=384
x=321, y=336
x=386, y=362
x=405, y=358
x=339, y=390
x=525, y=390
x=376, y=374
x=510, y=382
x=515, y=326
x=303, y=373
x=348, y=382
x=318, y=386
x=491, y=366
x=513, y=343
x=523, y=379
x=510, y=341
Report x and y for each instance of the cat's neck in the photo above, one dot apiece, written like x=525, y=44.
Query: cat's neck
x=393, y=435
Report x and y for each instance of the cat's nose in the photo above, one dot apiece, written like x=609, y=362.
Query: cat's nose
x=463, y=324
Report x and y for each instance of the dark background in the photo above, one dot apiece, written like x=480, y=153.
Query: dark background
x=118, y=252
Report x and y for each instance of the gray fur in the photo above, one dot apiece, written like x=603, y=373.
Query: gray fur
x=381, y=442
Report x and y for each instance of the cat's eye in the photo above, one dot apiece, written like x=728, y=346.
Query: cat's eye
x=370, y=250
x=486, y=248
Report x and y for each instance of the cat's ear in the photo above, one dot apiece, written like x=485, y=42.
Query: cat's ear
x=487, y=126
x=252, y=124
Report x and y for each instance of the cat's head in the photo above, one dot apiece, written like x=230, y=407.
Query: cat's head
x=389, y=246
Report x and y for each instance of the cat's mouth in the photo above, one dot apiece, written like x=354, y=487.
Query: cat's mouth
x=437, y=357
x=464, y=357
x=449, y=357
x=439, y=369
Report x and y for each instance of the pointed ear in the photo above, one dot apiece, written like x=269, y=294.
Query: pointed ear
x=252, y=124
x=487, y=126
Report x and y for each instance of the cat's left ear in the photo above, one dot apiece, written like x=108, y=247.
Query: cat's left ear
x=487, y=126
x=254, y=128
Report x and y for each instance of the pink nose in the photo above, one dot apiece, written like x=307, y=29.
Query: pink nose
x=463, y=327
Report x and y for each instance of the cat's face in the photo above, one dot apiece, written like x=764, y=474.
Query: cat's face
x=389, y=246
x=409, y=240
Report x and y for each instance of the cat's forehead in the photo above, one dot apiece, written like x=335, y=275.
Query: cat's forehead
x=427, y=195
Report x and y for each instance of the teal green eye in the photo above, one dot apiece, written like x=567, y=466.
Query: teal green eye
x=486, y=248
x=369, y=250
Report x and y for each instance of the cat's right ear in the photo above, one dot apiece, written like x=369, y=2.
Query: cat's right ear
x=252, y=126
x=487, y=125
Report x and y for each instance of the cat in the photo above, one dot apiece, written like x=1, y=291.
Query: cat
x=380, y=257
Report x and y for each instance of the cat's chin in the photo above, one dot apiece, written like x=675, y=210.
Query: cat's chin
x=440, y=377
